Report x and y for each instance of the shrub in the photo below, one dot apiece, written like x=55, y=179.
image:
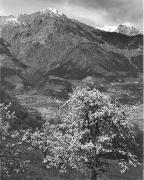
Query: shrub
x=11, y=145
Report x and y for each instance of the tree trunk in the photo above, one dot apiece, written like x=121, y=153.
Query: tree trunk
x=94, y=175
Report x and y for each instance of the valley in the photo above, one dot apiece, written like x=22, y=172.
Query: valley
x=44, y=56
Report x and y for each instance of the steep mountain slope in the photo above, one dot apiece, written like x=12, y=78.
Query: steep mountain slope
x=52, y=44
x=11, y=69
x=14, y=76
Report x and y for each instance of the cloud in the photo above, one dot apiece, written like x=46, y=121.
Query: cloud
x=2, y=12
x=89, y=16
x=119, y=11
x=107, y=12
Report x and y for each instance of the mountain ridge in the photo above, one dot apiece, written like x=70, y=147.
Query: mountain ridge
x=50, y=44
x=126, y=29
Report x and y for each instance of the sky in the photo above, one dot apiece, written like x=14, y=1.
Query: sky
x=91, y=12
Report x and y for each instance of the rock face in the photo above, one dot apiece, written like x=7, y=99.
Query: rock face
x=49, y=43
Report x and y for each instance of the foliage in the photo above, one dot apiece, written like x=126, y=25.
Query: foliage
x=5, y=117
x=11, y=145
x=24, y=118
x=92, y=132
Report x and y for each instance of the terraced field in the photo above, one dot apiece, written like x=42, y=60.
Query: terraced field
x=47, y=106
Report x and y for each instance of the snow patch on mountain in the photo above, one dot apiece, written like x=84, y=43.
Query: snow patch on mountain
x=12, y=19
x=108, y=28
x=7, y=19
x=53, y=12
x=4, y=20
x=129, y=29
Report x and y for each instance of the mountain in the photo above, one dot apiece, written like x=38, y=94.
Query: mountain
x=11, y=69
x=122, y=29
x=50, y=44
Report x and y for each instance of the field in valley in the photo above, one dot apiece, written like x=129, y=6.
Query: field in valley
x=49, y=108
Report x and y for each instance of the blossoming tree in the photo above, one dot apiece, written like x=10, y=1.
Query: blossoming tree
x=92, y=132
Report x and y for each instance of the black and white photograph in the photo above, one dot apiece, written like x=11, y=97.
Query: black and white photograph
x=71, y=90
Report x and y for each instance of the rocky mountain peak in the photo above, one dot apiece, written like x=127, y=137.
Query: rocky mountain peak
x=128, y=30
x=25, y=19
